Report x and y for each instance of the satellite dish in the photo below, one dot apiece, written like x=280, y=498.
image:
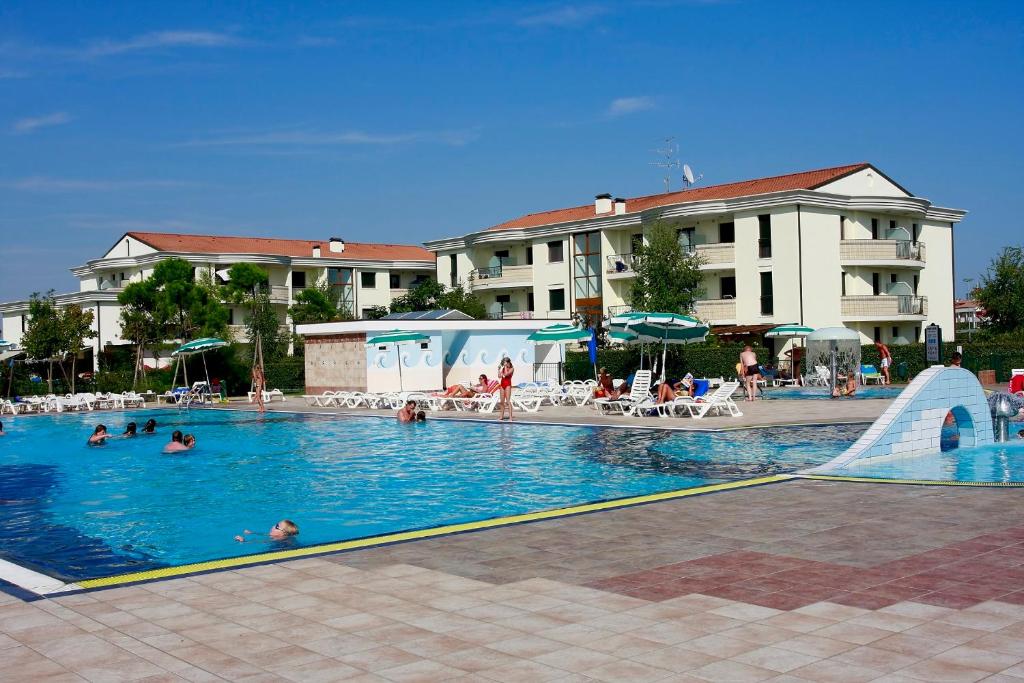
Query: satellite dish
x=688, y=174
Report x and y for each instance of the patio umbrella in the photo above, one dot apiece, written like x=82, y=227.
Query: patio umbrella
x=561, y=334
x=398, y=337
x=790, y=331
x=668, y=328
x=200, y=346
x=623, y=337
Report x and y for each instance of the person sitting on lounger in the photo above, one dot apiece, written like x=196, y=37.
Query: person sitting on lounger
x=666, y=393
x=99, y=436
x=605, y=386
x=407, y=413
x=460, y=391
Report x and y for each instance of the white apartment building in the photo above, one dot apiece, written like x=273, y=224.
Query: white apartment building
x=837, y=246
x=364, y=275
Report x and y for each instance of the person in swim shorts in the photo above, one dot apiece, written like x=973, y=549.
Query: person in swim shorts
x=751, y=370
x=885, y=360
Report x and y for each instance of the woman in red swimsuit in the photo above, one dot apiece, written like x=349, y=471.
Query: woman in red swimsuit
x=505, y=371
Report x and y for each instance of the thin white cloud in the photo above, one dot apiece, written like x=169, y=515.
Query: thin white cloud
x=34, y=123
x=565, y=16
x=160, y=39
x=312, y=138
x=621, y=106
x=47, y=184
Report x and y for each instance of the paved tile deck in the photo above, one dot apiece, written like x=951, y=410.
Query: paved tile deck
x=800, y=581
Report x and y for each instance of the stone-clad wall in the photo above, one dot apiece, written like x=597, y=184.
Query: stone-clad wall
x=336, y=362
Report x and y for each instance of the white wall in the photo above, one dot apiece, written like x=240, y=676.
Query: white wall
x=866, y=183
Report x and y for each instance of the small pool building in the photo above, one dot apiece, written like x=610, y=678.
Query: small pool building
x=459, y=350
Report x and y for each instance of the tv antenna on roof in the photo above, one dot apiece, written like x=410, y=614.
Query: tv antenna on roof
x=670, y=159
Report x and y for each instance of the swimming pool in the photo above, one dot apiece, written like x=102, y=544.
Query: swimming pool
x=76, y=512
x=809, y=393
x=994, y=463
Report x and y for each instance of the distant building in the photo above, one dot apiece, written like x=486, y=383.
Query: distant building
x=836, y=246
x=364, y=275
x=967, y=314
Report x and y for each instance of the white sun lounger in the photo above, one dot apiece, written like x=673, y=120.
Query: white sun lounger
x=720, y=401
x=639, y=395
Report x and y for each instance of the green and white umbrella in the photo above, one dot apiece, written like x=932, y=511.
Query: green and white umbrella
x=198, y=346
x=668, y=328
x=398, y=337
x=623, y=337
x=560, y=334
x=787, y=331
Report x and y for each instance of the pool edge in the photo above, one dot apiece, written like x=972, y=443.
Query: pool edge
x=909, y=482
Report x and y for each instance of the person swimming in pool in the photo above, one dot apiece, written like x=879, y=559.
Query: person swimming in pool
x=129, y=430
x=189, y=441
x=99, y=436
x=149, y=427
x=421, y=416
x=408, y=412
x=282, y=531
x=177, y=444
x=2, y=432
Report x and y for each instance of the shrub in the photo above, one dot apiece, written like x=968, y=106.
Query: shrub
x=700, y=359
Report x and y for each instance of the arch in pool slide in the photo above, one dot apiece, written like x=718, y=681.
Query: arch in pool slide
x=912, y=424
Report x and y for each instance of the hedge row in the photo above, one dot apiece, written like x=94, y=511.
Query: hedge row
x=978, y=356
x=702, y=361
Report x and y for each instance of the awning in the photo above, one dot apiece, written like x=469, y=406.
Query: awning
x=739, y=330
x=7, y=355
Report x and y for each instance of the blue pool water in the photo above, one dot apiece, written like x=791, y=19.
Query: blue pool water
x=1002, y=462
x=809, y=393
x=78, y=512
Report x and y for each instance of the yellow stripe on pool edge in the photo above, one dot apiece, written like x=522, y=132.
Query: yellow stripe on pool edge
x=928, y=482
x=228, y=563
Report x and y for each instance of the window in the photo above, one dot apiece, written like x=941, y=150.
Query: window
x=727, y=232
x=587, y=269
x=728, y=286
x=453, y=270
x=298, y=279
x=874, y=228
x=767, y=297
x=764, y=236
x=529, y=255
x=685, y=238
x=340, y=281
x=367, y=312
x=555, y=253
x=892, y=227
x=892, y=278
x=876, y=287
x=556, y=299
x=844, y=284
x=878, y=334
x=842, y=227
x=231, y=316
x=502, y=256
x=529, y=302
x=915, y=230
x=895, y=331
x=636, y=241
x=915, y=285
x=395, y=281
x=503, y=298
x=917, y=333
x=368, y=280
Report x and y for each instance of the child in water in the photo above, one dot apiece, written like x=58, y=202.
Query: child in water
x=179, y=442
x=282, y=531
x=149, y=427
x=99, y=436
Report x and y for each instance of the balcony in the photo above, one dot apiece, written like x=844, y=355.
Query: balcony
x=890, y=253
x=884, y=307
x=618, y=310
x=716, y=311
x=508, y=311
x=240, y=333
x=278, y=294
x=718, y=256
x=500, y=277
x=619, y=266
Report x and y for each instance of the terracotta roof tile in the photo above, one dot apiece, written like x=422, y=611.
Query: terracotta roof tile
x=806, y=180
x=216, y=244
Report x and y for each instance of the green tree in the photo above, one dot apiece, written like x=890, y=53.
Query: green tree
x=139, y=322
x=249, y=284
x=668, y=279
x=191, y=309
x=75, y=327
x=430, y=295
x=42, y=338
x=1001, y=293
x=317, y=304
x=375, y=312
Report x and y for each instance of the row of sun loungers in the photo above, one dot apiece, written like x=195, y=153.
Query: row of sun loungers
x=51, y=403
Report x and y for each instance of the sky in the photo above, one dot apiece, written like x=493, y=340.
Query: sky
x=407, y=121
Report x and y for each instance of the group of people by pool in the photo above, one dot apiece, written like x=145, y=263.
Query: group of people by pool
x=179, y=442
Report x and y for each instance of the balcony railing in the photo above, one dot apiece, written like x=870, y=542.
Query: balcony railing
x=508, y=311
x=716, y=310
x=500, y=276
x=619, y=263
x=718, y=253
x=278, y=294
x=618, y=310
x=885, y=306
x=881, y=250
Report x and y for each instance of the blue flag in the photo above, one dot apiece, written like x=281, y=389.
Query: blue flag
x=592, y=346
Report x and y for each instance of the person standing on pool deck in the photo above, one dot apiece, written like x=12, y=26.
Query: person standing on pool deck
x=885, y=360
x=751, y=370
x=505, y=371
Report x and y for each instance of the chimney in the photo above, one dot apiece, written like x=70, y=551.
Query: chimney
x=603, y=203
x=337, y=245
x=620, y=206
x=316, y=251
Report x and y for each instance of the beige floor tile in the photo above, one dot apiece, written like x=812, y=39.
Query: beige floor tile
x=775, y=659
x=853, y=633
x=886, y=661
x=917, y=610
x=760, y=634
x=977, y=658
x=379, y=658
x=423, y=671
x=1000, y=643
x=576, y=659
x=796, y=621
x=476, y=659
x=834, y=671
x=810, y=644
x=734, y=672
x=719, y=645
x=668, y=632
x=943, y=672
x=624, y=645
x=830, y=610
x=982, y=621
x=886, y=621
x=675, y=658
x=576, y=634
x=435, y=645
x=950, y=633
x=745, y=612
x=527, y=646
x=626, y=670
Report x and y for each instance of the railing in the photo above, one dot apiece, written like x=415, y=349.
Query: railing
x=547, y=372
x=278, y=294
x=884, y=306
x=508, y=311
x=714, y=254
x=618, y=310
x=714, y=310
x=881, y=250
x=619, y=263
x=501, y=275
